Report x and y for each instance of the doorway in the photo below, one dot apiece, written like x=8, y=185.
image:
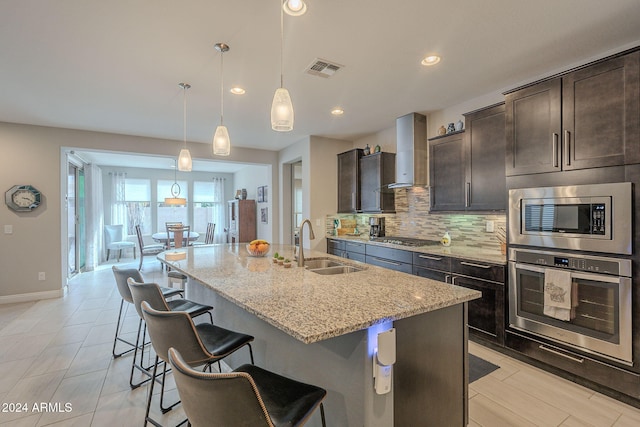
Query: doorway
x=75, y=219
x=296, y=199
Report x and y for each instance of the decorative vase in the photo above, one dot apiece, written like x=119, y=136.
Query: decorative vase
x=451, y=127
x=377, y=149
x=442, y=130
x=459, y=125
x=244, y=194
x=367, y=150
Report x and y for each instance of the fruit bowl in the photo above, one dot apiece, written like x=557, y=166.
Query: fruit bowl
x=258, y=248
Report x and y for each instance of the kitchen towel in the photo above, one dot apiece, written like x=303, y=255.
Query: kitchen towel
x=557, y=294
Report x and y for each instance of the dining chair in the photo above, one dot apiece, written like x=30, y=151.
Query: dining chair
x=209, y=236
x=114, y=241
x=169, y=225
x=121, y=275
x=201, y=345
x=147, y=250
x=247, y=396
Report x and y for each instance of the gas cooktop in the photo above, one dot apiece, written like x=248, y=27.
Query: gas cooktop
x=404, y=241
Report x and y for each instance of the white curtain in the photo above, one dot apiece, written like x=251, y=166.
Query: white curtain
x=219, y=211
x=118, y=204
x=94, y=218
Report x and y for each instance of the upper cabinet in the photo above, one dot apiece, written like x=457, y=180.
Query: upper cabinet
x=584, y=119
x=349, y=181
x=376, y=171
x=467, y=168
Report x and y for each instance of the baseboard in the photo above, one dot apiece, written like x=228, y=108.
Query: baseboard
x=33, y=296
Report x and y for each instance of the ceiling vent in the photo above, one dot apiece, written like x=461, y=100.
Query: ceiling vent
x=323, y=68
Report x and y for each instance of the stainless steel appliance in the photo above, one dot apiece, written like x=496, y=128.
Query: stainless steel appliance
x=594, y=218
x=412, y=152
x=376, y=226
x=600, y=322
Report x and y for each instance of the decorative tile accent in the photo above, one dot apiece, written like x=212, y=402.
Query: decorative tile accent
x=413, y=219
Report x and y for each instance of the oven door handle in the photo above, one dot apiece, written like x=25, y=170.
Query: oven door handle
x=596, y=277
x=528, y=267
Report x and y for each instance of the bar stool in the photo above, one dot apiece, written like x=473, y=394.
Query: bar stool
x=121, y=275
x=249, y=396
x=201, y=345
x=152, y=293
x=174, y=276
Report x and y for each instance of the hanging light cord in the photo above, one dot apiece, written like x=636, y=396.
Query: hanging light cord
x=184, y=114
x=175, y=188
x=221, y=87
x=281, y=45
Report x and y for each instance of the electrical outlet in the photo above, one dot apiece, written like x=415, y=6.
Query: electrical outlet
x=8, y=229
x=41, y=276
x=489, y=227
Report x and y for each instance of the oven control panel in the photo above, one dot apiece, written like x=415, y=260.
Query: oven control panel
x=614, y=266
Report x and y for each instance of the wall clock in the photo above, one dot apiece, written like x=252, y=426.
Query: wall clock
x=22, y=198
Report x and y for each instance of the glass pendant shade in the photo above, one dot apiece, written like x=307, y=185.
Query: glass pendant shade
x=282, y=111
x=184, y=161
x=221, y=142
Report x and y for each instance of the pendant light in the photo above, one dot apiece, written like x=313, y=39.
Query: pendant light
x=175, y=199
x=281, y=108
x=184, y=159
x=221, y=141
x=295, y=7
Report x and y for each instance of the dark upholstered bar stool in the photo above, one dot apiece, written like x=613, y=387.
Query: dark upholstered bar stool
x=121, y=275
x=152, y=293
x=249, y=396
x=201, y=345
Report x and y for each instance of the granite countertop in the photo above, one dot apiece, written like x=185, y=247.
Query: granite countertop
x=308, y=306
x=455, y=251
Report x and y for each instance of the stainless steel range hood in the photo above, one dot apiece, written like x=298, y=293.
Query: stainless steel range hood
x=411, y=152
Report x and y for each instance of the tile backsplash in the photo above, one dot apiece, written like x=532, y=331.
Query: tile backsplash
x=412, y=219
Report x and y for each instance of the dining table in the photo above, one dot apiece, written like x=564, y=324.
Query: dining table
x=161, y=237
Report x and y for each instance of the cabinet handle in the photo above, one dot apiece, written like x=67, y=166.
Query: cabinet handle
x=353, y=201
x=446, y=278
x=453, y=280
x=567, y=146
x=557, y=353
x=470, y=264
x=467, y=194
x=554, y=144
x=387, y=262
x=433, y=258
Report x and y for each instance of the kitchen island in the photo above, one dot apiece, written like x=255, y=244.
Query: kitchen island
x=323, y=329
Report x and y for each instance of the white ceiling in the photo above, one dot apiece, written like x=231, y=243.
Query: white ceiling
x=115, y=65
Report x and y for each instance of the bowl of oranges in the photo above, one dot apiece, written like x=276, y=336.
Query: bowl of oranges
x=258, y=248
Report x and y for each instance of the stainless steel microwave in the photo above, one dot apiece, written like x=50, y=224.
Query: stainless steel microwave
x=594, y=217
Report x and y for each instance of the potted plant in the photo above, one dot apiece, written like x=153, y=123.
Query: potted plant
x=287, y=263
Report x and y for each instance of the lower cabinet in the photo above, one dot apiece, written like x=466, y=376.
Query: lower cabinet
x=335, y=247
x=354, y=251
x=393, y=259
x=487, y=314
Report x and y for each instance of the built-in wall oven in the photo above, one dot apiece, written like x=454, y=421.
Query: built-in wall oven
x=579, y=300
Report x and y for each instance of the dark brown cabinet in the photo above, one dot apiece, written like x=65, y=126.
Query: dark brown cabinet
x=485, y=143
x=391, y=258
x=242, y=220
x=447, y=173
x=376, y=171
x=349, y=181
x=584, y=119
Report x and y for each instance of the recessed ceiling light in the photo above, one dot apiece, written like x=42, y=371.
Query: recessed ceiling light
x=237, y=90
x=294, y=7
x=337, y=111
x=431, y=60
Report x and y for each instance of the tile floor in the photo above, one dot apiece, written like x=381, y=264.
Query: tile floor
x=58, y=353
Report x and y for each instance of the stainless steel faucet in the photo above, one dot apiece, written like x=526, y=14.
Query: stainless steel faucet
x=301, y=241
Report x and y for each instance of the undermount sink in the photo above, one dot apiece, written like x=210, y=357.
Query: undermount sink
x=321, y=263
x=340, y=269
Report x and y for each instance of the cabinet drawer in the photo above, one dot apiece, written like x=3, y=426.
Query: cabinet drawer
x=441, y=276
x=390, y=264
x=433, y=262
x=335, y=245
x=355, y=247
x=390, y=254
x=479, y=269
x=354, y=256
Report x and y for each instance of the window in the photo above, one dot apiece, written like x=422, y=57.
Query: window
x=206, y=203
x=137, y=196
x=171, y=213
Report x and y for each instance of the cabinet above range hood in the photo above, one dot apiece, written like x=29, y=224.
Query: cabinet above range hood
x=411, y=152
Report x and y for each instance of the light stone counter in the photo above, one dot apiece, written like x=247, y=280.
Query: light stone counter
x=455, y=250
x=312, y=307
